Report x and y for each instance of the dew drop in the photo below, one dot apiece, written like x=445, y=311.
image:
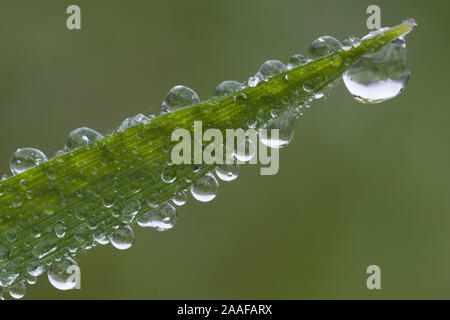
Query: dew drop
x=379, y=76
x=297, y=60
x=4, y=253
x=285, y=123
x=122, y=238
x=60, y=274
x=130, y=211
x=180, y=198
x=108, y=201
x=169, y=175
x=17, y=290
x=228, y=87
x=132, y=121
x=227, y=172
x=253, y=81
x=25, y=159
x=81, y=137
x=100, y=237
x=162, y=218
x=205, y=189
x=60, y=229
x=323, y=46
x=270, y=68
x=179, y=97
x=35, y=268
x=245, y=150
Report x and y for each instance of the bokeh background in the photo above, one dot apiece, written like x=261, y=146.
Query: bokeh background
x=358, y=185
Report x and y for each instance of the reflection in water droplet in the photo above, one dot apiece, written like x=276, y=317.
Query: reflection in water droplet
x=323, y=46
x=179, y=97
x=17, y=290
x=180, y=198
x=379, y=76
x=285, y=124
x=227, y=172
x=228, y=87
x=81, y=137
x=60, y=274
x=122, y=238
x=162, y=218
x=133, y=121
x=25, y=159
x=297, y=60
x=205, y=189
x=270, y=68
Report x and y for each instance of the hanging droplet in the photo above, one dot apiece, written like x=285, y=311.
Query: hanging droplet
x=17, y=290
x=270, y=68
x=169, y=175
x=100, y=237
x=379, y=76
x=35, y=268
x=81, y=137
x=324, y=46
x=285, y=123
x=297, y=60
x=205, y=189
x=60, y=274
x=228, y=87
x=122, y=238
x=130, y=211
x=25, y=159
x=227, y=172
x=60, y=229
x=179, y=97
x=133, y=121
x=162, y=218
x=180, y=198
x=8, y=274
x=108, y=201
x=245, y=150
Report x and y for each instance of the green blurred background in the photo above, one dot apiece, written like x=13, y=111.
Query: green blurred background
x=358, y=185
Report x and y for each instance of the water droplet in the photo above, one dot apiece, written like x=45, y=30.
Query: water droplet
x=108, y=201
x=180, y=198
x=17, y=290
x=379, y=76
x=4, y=253
x=25, y=159
x=297, y=60
x=245, y=150
x=350, y=42
x=253, y=81
x=252, y=123
x=227, y=172
x=270, y=68
x=60, y=274
x=308, y=86
x=35, y=268
x=81, y=137
x=285, y=124
x=169, y=175
x=101, y=237
x=240, y=98
x=132, y=121
x=179, y=97
x=162, y=218
x=205, y=189
x=122, y=238
x=60, y=229
x=228, y=87
x=130, y=211
x=8, y=274
x=323, y=46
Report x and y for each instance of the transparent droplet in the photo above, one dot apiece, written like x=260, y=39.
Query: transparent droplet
x=60, y=229
x=270, y=68
x=108, y=201
x=297, y=60
x=227, y=172
x=323, y=46
x=245, y=150
x=180, y=198
x=379, y=76
x=60, y=274
x=130, y=211
x=253, y=81
x=228, y=87
x=17, y=290
x=162, y=218
x=179, y=97
x=101, y=237
x=205, y=189
x=81, y=137
x=169, y=175
x=350, y=42
x=8, y=274
x=285, y=123
x=35, y=268
x=25, y=159
x=122, y=238
x=132, y=121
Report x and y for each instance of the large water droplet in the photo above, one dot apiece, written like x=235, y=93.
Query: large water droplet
x=228, y=87
x=81, y=137
x=270, y=68
x=285, y=123
x=132, y=121
x=17, y=290
x=26, y=158
x=205, y=189
x=379, y=76
x=179, y=97
x=227, y=172
x=122, y=238
x=60, y=274
x=323, y=46
x=162, y=218
x=297, y=60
